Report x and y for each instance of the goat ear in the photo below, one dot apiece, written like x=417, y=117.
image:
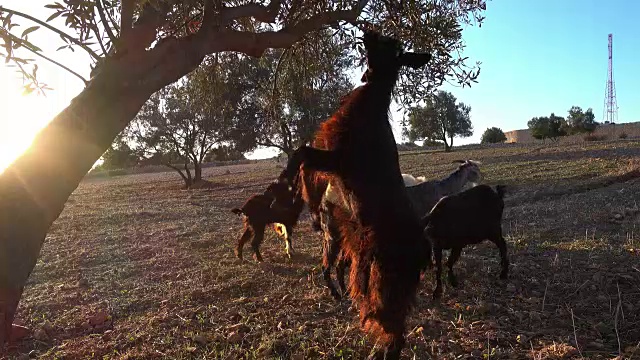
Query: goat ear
x=414, y=60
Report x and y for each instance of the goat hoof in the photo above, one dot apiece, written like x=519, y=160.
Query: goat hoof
x=257, y=258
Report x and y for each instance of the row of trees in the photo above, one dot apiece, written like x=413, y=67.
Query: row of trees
x=550, y=127
x=553, y=127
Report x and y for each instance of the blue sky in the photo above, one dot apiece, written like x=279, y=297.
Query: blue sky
x=538, y=57
x=544, y=56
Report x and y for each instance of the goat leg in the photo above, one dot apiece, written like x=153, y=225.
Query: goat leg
x=504, y=260
x=9, y=298
x=437, y=293
x=258, y=236
x=287, y=240
x=340, y=272
x=329, y=256
x=327, y=262
x=246, y=235
x=453, y=257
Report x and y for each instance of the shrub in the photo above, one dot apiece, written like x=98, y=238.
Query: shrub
x=592, y=137
x=493, y=135
x=623, y=135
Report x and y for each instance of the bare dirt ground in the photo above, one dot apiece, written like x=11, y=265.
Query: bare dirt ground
x=136, y=268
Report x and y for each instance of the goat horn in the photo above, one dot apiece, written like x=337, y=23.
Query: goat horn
x=459, y=161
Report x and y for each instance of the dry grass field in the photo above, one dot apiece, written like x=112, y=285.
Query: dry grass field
x=136, y=268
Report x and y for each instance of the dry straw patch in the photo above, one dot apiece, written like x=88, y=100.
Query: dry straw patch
x=136, y=268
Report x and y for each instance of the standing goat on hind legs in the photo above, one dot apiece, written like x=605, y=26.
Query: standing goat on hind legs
x=382, y=237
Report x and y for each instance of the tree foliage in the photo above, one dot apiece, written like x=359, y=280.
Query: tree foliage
x=187, y=120
x=119, y=156
x=225, y=153
x=305, y=87
x=553, y=127
x=106, y=28
x=493, y=135
x=579, y=121
x=441, y=119
x=548, y=127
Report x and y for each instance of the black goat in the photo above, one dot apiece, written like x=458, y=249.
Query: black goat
x=462, y=219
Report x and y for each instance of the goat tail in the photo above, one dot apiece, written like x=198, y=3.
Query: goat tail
x=237, y=211
x=501, y=189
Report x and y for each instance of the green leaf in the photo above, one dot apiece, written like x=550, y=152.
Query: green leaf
x=7, y=20
x=29, y=30
x=54, y=15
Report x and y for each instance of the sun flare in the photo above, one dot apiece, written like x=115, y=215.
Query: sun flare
x=21, y=117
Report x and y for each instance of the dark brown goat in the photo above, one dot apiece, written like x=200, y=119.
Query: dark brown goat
x=279, y=205
x=463, y=219
x=382, y=237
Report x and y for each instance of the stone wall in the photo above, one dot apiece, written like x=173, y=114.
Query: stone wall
x=609, y=132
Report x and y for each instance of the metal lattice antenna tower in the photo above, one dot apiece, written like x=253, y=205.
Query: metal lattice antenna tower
x=610, y=102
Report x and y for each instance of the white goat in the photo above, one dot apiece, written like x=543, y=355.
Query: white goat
x=426, y=194
x=409, y=180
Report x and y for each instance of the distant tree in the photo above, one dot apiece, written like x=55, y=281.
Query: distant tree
x=225, y=153
x=441, y=119
x=551, y=127
x=184, y=122
x=119, y=156
x=557, y=127
x=493, y=135
x=539, y=127
x=579, y=121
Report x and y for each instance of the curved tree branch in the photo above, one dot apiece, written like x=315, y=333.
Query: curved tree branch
x=96, y=31
x=52, y=28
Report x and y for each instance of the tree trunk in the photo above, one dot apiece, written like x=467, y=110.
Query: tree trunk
x=447, y=147
x=188, y=182
x=197, y=171
x=34, y=189
x=185, y=178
